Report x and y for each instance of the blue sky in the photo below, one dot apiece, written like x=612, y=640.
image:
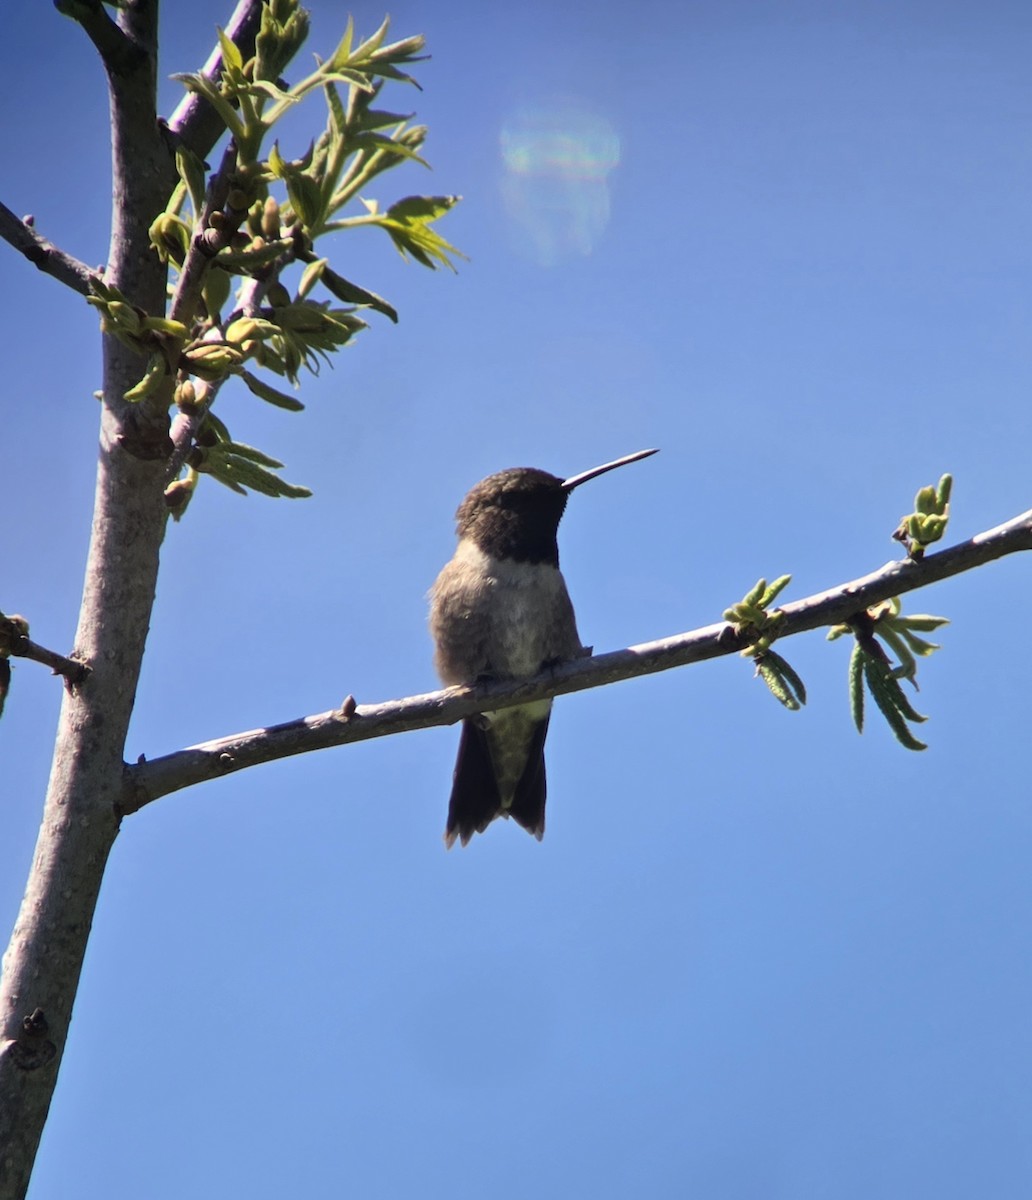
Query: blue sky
x=756, y=954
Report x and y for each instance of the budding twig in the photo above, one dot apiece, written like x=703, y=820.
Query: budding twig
x=15, y=643
x=159, y=776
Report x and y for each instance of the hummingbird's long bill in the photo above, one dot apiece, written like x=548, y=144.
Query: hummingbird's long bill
x=584, y=476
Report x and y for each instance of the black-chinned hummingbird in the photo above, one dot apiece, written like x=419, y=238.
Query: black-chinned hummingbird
x=500, y=610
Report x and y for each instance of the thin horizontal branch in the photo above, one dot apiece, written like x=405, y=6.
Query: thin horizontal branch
x=15, y=642
x=148, y=781
x=70, y=668
x=44, y=254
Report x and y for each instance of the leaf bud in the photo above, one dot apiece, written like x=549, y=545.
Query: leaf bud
x=237, y=199
x=270, y=223
x=186, y=396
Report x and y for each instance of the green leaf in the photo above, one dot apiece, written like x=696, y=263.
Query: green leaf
x=771, y=593
x=388, y=72
x=262, y=87
x=369, y=47
x=191, y=172
x=250, y=453
x=421, y=209
x=919, y=645
x=856, y=686
x=215, y=290
x=276, y=162
x=373, y=142
x=212, y=425
x=337, y=116
x=231, y=55
x=900, y=701
x=265, y=482
x=270, y=394
x=375, y=119
x=408, y=224
x=783, y=682
x=406, y=50
x=200, y=84
x=924, y=622
x=305, y=198
x=311, y=276
x=752, y=597
x=790, y=676
x=237, y=468
x=227, y=482
x=884, y=698
x=342, y=55
x=904, y=656
x=351, y=293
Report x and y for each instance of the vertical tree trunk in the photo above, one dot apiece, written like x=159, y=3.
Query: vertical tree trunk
x=43, y=962
x=80, y=821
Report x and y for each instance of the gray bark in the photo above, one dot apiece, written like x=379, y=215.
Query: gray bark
x=148, y=781
x=42, y=965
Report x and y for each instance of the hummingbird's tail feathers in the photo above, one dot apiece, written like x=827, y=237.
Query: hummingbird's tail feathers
x=528, y=802
x=474, y=800
x=477, y=794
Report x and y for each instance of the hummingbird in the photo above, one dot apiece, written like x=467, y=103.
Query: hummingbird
x=500, y=610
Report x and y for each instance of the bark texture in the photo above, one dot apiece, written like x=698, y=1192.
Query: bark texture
x=43, y=962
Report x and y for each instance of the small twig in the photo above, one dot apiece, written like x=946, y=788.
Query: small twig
x=186, y=424
x=44, y=254
x=206, y=241
x=194, y=120
x=184, y=429
x=22, y=647
x=117, y=51
x=209, y=760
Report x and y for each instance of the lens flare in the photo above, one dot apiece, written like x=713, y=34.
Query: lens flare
x=557, y=159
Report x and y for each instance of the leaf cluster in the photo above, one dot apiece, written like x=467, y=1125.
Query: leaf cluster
x=235, y=231
x=238, y=466
x=751, y=619
x=876, y=632
x=927, y=523
x=887, y=644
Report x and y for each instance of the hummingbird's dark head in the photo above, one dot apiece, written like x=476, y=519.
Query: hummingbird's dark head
x=515, y=514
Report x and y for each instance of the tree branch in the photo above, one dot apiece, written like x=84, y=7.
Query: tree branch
x=44, y=255
x=206, y=241
x=186, y=423
x=194, y=121
x=43, y=961
x=149, y=781
x=116, y=49
x=16, y=644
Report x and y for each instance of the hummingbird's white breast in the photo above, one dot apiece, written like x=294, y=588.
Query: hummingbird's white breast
x=500, y=618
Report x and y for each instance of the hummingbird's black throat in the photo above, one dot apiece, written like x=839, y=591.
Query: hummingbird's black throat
x=515, y=515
